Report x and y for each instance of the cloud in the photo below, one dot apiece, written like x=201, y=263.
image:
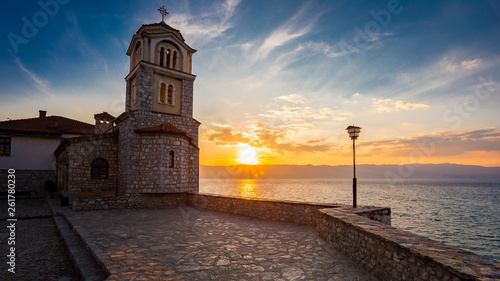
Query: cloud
x=321, y=47
x=225, y=137
x=208, y=26
x=41, y=84
x=297, y=26
x=293, y=114
x=470, y=64
x=441, y=77
x=221, y=125
x=274, y=141
x=293, y=98
x=388, y=105
x=452, y=64
x=450, y=143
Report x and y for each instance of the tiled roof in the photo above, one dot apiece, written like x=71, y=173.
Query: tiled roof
x=104, y=115
x=40, y=126
x=164, y=128
x=163, y=24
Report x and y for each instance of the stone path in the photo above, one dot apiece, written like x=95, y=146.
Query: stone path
x=40, y=252
x=190, y=244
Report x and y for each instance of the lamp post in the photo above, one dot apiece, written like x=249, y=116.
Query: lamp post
x=353, y=132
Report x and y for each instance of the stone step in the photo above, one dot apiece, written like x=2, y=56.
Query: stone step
x=86, y=266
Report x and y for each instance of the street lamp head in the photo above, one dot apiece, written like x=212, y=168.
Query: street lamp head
x=353, y=132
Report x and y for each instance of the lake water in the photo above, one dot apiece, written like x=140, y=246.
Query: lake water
x=462, y=213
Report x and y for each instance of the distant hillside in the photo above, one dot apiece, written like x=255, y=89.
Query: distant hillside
x=414, y=171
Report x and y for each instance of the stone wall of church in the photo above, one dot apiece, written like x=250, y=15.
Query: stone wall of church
x=75, y=159
x=154, y=172
x=144, y=117
x=144, y=159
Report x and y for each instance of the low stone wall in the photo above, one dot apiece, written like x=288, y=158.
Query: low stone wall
x=164, y=200
x=29, y=181
x=275, y=210
x=142, y=200
x=393, y=254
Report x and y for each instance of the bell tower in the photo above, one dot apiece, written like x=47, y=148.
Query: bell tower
x=162, y=49
x=158, y=149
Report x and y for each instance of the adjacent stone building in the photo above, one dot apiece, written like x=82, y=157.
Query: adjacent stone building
x=149, y=155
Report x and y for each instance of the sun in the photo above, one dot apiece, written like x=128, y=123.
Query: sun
x=248, y=156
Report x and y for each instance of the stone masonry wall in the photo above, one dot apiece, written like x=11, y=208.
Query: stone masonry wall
x=141, y=200
x=276, y=210
x=75, y=164
x=394, y=254
x=29, y=180
x=144, y=165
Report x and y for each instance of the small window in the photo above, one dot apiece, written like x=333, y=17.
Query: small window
x=171, y=164
x=162, y=56
x=163, y=93
x=168, y=58
x=134, y=93
x=170, y=97
x=100, y=169
x=5, y=146
x=174, y=66
x=138, y=53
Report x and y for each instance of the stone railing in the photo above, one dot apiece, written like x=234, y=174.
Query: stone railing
x=393, y=254
x=277, y=210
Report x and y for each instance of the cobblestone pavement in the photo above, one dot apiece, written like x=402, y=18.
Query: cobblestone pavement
x=40, y=252
x=190, y=244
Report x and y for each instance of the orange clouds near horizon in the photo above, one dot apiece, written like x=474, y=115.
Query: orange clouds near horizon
x=221, y=147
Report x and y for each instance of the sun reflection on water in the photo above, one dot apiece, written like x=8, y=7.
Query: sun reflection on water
x=247, y=189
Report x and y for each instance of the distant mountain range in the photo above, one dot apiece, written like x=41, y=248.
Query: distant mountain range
x=411, y=171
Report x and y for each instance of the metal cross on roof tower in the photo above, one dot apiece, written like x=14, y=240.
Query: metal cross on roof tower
x=163, y=12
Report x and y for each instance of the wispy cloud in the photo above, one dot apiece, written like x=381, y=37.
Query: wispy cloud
x=471, y=64
x=295, y=114
x=388, y=105
x=297, y=26
x=41, y=84
x=331, y=51
x=450, y=143
x=452, y=64
x=199, y=29
x=438, y=76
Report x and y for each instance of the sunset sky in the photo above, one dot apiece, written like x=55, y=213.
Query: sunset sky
x=279, y=81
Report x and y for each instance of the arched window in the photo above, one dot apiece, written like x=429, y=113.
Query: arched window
x=170, y=97
x=171, y=156
x=174, y=65
x=168, y=58
x=99, y=169
x=162, y=55
x=138, y=53
x=134, y=93
x=163, y=91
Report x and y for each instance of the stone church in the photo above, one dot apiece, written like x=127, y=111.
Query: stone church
x=148, y=156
